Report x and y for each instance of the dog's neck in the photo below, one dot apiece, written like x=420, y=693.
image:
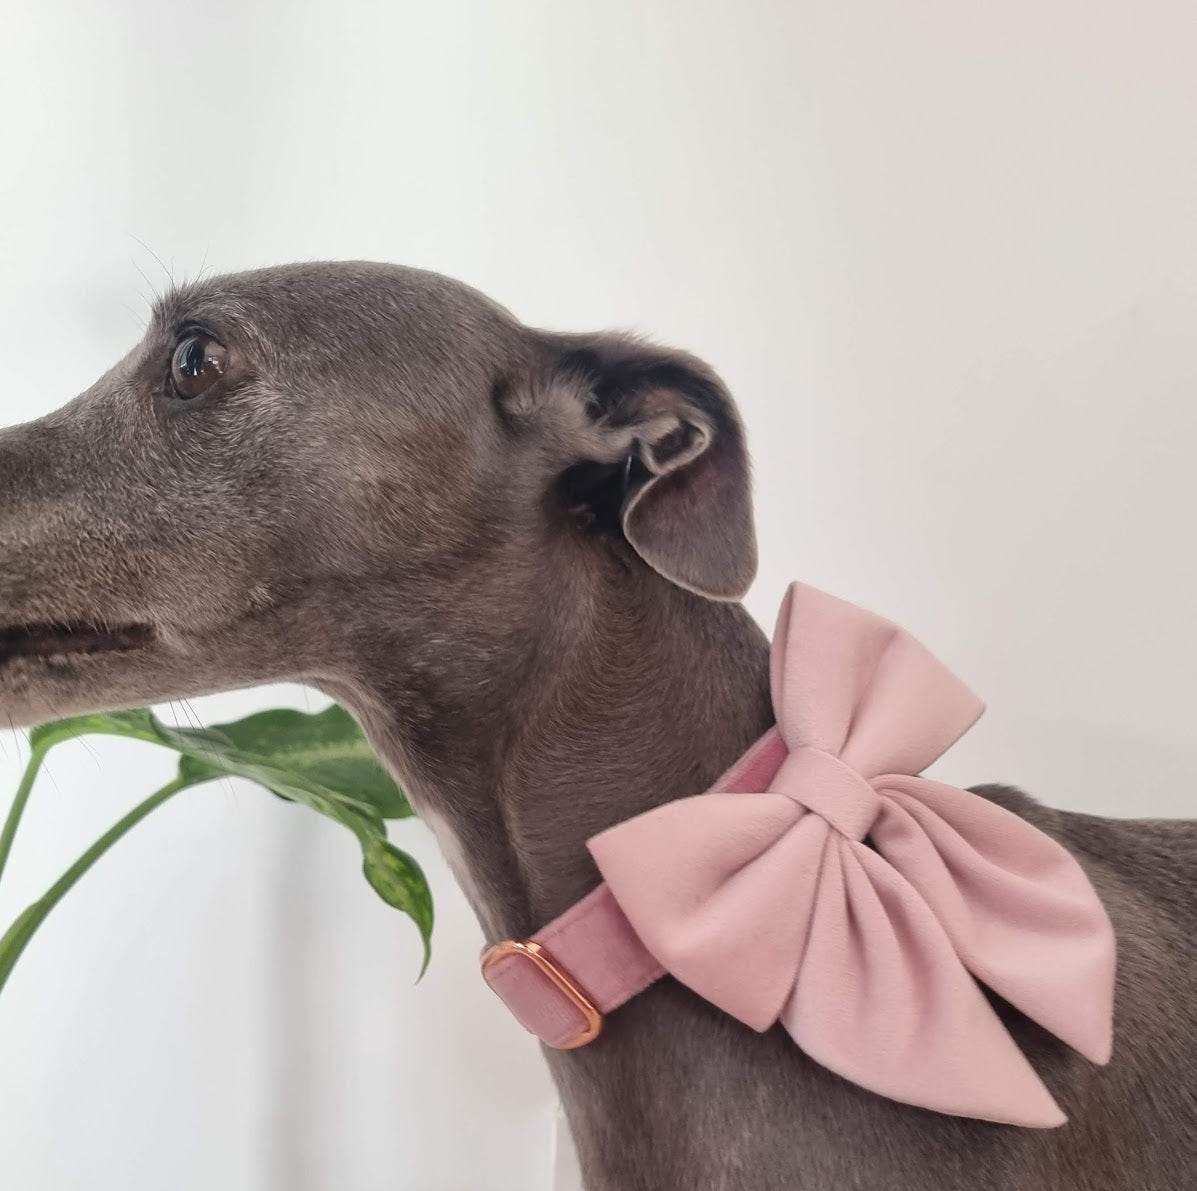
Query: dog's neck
x=539, y=726
x=553, y=723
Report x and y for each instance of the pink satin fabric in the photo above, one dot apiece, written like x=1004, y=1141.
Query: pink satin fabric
x=764, y=897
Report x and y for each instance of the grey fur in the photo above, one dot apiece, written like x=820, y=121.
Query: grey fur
x=401, y=495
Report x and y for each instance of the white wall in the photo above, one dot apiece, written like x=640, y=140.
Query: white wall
x=946, y=255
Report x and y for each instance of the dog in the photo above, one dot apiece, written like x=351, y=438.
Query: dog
x=517, y=556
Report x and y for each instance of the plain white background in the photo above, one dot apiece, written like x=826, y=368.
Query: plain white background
x=945, y=255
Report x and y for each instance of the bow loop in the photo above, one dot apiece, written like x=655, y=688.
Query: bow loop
x=847, y=681
x=762, y=897
x=825, y=785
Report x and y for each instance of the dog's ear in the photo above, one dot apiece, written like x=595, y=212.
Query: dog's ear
x=652, y=447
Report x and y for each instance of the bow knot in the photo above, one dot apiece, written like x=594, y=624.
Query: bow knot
x=820, y=782
x=763, y=896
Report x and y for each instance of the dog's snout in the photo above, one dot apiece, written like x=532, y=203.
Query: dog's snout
x=31, y=460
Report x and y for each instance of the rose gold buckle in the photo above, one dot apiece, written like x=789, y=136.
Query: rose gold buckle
x=560, y=980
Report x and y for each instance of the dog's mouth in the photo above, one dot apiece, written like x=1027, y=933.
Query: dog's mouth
x=50, y=641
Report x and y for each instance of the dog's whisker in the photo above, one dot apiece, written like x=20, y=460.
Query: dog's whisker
x=161, y=263
x=139, y=319
x=157, y=297
x=19, y=736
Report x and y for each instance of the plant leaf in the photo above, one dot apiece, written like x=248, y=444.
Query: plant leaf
x=400, y=882
x=320, y=760
x=325, y=752
x=139, y=725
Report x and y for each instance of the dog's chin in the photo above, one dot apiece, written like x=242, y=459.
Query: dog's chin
x=52, y=670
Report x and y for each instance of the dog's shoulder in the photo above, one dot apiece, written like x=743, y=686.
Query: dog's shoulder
x=1014, y=799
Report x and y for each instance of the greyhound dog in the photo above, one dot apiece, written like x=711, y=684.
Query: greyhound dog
x=516, y=556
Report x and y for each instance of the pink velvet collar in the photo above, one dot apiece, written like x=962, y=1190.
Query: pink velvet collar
x=763, y=896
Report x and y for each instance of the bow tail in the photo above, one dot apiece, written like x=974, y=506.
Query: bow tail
x=1017, y=906
x=883, y=1000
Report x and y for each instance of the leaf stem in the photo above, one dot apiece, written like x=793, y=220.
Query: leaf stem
x=24, y=928
x=13, y=821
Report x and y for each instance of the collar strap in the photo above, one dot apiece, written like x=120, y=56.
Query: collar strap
x=562, y=982
x=824, y=885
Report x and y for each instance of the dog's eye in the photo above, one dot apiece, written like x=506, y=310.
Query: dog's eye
x=198, y=363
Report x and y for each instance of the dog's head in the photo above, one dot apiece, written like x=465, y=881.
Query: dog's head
x=299, y=463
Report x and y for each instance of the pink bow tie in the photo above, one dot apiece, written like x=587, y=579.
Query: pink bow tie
x=764, y=898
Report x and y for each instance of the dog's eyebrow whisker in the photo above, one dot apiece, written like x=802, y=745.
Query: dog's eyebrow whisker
x=161, y=263
x=139, y=319
x=157, y=298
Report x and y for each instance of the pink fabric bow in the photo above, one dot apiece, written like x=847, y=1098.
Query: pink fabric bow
x=763, y=897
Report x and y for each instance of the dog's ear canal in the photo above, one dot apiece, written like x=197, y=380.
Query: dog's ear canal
x=659, y=455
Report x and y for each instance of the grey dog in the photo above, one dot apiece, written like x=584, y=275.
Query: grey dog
x=517, y=556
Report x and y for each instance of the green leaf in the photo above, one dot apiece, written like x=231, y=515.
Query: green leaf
x=325, y=753
x=321, y=761
x=400, y=882
x=140, y=725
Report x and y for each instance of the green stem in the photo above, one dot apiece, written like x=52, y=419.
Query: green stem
x=24, y=928
x=18, y=806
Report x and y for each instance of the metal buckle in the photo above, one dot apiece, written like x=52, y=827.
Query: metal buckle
x=560, y=980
